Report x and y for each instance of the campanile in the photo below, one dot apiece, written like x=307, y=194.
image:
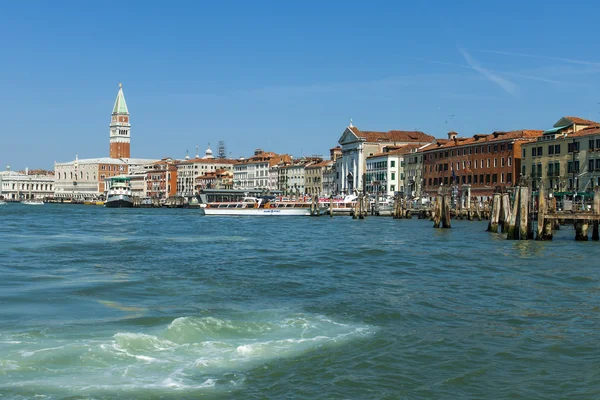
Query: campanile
x=120, y=128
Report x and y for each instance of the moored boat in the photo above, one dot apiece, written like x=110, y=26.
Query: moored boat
x=119, y=193
x=263, y=206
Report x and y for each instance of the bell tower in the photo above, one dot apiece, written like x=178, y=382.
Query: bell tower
x=120, y=128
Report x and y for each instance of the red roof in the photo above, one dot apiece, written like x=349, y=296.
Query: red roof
x=392, y=136
x=524, y=134
x=581, y=121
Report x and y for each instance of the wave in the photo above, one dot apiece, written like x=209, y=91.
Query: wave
x=209, y=352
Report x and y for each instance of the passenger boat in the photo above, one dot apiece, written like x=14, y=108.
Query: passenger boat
x=339, y=206
x=119, y=193
x=33, y=202
x=263, y=206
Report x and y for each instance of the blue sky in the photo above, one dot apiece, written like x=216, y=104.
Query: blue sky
x=285, y=76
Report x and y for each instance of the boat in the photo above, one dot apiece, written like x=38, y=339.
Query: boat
x=2, y=202
x=263, y=206
x=33, y=202
x=119, y=193
x=340, y=205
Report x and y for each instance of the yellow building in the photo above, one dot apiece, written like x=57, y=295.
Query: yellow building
x=566, y=158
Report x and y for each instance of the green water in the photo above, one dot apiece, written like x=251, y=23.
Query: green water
x=102, y=303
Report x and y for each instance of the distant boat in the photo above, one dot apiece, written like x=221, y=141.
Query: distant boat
x=33, y=202
x=119, y=193
x=2, y=203
x=262, y=206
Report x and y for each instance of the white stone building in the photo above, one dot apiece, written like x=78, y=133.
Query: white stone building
x=191, y=168
x=257, y=172
x=16, y=186
x=357, y=145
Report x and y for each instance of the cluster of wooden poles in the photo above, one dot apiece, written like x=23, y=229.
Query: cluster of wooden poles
x=517, y=220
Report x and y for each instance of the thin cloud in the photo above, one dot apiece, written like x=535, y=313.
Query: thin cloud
x=508, y=86
x=567, y=60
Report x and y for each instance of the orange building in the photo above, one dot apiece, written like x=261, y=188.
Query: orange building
x=485, y=162
x=161, y=179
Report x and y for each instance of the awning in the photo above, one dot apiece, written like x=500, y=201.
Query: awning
x=580, y=194
x=555, y=129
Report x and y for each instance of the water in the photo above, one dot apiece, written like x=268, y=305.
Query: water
x=102, y=303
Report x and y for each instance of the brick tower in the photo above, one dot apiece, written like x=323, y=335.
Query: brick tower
x=119, y=128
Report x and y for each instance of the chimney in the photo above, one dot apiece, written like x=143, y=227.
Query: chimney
x=452, y=135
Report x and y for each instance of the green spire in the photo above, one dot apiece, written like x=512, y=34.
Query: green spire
x=120, y=104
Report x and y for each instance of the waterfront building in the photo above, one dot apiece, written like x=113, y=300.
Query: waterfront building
x=161, y=179
x=293, y=175
x=486, y=162
x=385, y=170
x=83, y=179
x=256, y=172
x=413, y=171
x=17, y=186
x=357, y=145
x=314, y=173
x=565, y=159
x=220, y=180
x=190, y=169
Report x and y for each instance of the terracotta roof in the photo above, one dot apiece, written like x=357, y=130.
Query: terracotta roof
x=406, y=149
x=209, y=161
x=581, y=121
x=490, y=138
x=320, y=164
x=392, y=136
x=593, y=130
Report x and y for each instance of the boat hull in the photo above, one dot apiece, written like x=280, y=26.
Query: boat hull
x=259, y=211
x=119, y=201
x=33, y=203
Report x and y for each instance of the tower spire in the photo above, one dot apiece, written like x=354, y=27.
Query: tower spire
x=120, y=135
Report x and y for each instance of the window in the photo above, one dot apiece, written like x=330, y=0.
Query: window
x=393, y=163
x=488, y=162
x=591, y=144
x=539, y=168
x=591, y=166
x=557, y=149
x=598, y=164
x=573, y=147
x=495, y=148
x=533, y=170
x=502, y=177
x=539, y=151
x=510, y=161
x=533, y=151
x=509, y=177
x=476, y=148
x=393, y=176
x=475, y=179
x=550, y=149
x=551, y=169
x=392, y=188
x=523, y=171
x=523, y=153
x=495, y=162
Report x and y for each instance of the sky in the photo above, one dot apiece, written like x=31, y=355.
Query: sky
x=284, y=76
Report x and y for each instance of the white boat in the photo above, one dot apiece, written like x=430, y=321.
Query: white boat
x=2, y=203
x=263, y=206
x=119, y=192
x=33, y=202
x=341, y=205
